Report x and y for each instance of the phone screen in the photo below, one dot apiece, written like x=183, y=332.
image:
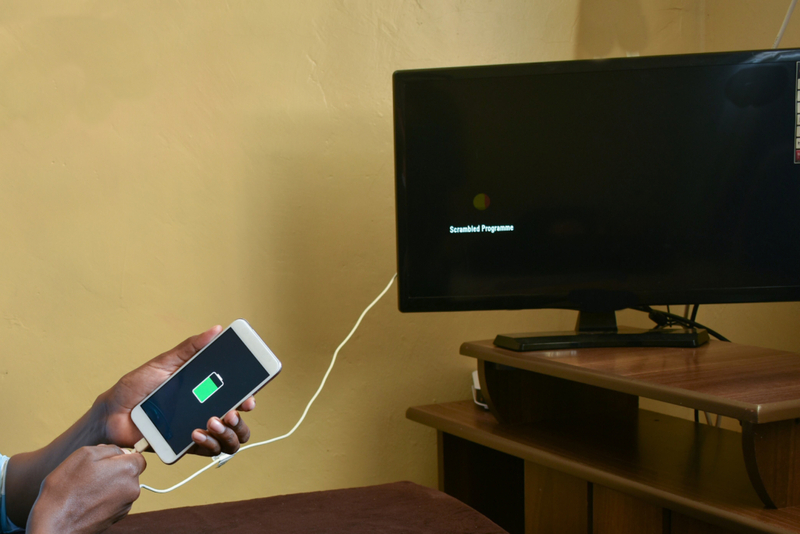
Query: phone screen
x=215, y=381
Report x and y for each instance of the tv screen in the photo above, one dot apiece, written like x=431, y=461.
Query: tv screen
x=600, y=184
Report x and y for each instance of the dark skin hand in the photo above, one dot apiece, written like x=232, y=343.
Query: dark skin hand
x=92, y=489
x=109, y=421
x=220, y=436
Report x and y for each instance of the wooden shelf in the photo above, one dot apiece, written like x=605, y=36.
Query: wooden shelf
x=759, y=387
x=746, y=383
x=690, y=468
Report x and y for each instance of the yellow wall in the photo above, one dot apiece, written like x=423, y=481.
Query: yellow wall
x=167, y=166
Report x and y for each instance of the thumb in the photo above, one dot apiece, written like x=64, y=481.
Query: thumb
x=192, y=345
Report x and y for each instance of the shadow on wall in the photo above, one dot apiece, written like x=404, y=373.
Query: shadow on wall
x=604, y=25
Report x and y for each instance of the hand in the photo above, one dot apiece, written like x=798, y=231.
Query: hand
x=221, y=435
x=88, y=492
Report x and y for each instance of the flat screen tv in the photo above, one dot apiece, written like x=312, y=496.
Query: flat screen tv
x=599, y=185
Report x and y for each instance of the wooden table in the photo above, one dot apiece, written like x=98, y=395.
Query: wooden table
x=587, y=456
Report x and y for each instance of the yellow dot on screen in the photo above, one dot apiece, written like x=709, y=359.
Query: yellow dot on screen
x=481, y=202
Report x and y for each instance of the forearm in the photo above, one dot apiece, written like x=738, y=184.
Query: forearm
x=26, y=471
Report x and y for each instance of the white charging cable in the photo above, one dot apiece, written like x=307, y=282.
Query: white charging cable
x=785, y=24
x=223, y=458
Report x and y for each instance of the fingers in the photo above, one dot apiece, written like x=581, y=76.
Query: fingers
x=248, y=405
x=92, y=488
x=225, y=436
x=128, y=468
x=222, y=435
x=233, y=421
x=135, y=461
x=104, y=451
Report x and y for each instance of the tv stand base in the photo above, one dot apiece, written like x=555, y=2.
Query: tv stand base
x=621, y=337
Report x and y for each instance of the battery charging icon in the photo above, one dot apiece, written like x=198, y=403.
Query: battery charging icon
x=208, y=387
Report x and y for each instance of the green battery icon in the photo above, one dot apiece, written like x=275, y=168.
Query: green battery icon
x=208, y=387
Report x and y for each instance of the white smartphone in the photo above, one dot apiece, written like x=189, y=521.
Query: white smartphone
x=221, y=376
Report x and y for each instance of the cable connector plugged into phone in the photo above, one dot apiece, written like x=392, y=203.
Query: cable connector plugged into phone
x=141, y=446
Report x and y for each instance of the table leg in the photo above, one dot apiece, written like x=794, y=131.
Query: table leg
x=772, y=457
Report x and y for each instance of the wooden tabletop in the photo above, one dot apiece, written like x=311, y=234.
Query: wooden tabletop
x=747, y=383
